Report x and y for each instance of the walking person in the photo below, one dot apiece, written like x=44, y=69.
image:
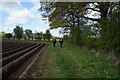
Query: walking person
x=61, y=42
x=54, y=42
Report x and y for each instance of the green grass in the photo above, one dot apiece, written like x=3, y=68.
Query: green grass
x=73, y=62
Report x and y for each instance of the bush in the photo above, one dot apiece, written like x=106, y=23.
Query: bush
x=8, y=35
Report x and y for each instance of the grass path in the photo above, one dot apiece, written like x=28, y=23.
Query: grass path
x=73, y=62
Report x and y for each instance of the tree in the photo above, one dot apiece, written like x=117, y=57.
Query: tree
x=101, y=32
x=8, y=35
x=60, y=16
x=24, y=36
x=48, y=35
x=3, y=34
x=44, y=36
x=18, y=31
x=38, y=35
x=28, y=33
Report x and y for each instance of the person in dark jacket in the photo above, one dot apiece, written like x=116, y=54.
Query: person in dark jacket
x=61, y=42
x=54, y=42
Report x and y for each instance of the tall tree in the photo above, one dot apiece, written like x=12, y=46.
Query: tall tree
x=28, y=33
x=70, y=16
x=44, y=36
x=48, y=35
x=64, y=15
x=18, y=31
x=38, y=35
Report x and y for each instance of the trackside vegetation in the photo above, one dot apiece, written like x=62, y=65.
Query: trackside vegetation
x=99, y=31
x=73, y=62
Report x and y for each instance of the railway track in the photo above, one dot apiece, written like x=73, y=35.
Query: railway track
x=15, y=60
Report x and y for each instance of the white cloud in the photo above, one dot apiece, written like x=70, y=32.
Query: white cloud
x=10, y=6
x=17, y=13
x=20, y=17
x=55, y=32
x=8, y=29
x=39, y=29
x=35, y=10
x=36, y=6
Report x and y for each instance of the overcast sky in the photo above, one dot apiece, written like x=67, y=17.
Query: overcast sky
x=24, y=14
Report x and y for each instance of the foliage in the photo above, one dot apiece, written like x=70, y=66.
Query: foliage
x=110, y=34
x=28, y=33
x=47, y=35
x=75, y=36
x=100, y=33
x=74, y=62
x=2, y=34
x=44, y=36
x=8, y=35
x=18, y=31
x=38, y=35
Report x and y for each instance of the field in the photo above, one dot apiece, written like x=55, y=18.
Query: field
x=17, y=56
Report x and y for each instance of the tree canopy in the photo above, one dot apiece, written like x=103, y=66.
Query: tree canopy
x=18, y=32
x=97, y=31
x=47, y=35
x=8, y=35
x=28, y=33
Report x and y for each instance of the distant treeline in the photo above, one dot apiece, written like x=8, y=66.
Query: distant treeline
x=19, y=33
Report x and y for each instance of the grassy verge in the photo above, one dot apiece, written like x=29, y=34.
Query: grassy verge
x=73, y=62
